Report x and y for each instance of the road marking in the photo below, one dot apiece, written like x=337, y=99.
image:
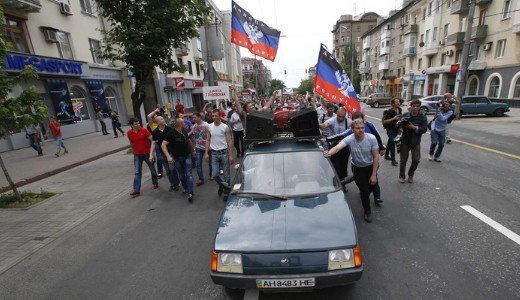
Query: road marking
x=251, y=295
x=497, y=226
x=473, y=145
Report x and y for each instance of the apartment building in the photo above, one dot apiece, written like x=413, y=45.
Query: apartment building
x=252, y=67
x=430, y=54
x=60, y=39
x=348, y=30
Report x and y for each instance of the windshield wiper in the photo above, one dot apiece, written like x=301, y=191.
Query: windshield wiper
x=260, y=194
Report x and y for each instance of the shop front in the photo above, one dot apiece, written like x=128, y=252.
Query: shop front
x=71, y=90
x=440, y=80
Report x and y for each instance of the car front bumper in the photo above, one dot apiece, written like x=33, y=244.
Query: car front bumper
x=323, y=280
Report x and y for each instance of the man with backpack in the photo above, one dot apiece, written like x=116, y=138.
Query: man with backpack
x=438, y=129
x=389, y=120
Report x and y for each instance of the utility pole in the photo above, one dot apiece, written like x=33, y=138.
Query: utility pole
x=351, y=55
x=465, y=58
x=209, y=58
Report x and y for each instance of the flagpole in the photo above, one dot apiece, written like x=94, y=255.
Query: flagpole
x=256, y=78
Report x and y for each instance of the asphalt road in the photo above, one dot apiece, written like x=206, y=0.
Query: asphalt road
x=421, y=244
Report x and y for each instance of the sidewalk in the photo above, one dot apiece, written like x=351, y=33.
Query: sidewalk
x=24, y=166
x=83, y=190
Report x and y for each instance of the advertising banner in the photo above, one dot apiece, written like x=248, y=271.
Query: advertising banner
x=97, y=94
x=215, y=92
x=60, y=97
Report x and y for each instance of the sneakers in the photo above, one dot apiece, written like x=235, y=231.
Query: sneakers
x=57, y=154
x=368, y=217
x=448, y=141
x=430, y=157
x=159, y=175
x=173, y=188
x=378, y=202
x=155, y=186
x=437, y=159
x=401, y=179
x=200, y=182
x=134, y=193
x=410, y=179
x=394, y=163
x=387, y=158
x=190, y=197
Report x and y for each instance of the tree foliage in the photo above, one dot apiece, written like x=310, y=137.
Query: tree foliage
x=346, y=62
x=143, y=34
x=306, y=85
x=277, y=84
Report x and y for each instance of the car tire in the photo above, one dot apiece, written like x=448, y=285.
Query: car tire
x=423, y=110
x=499, y=112
x=234, y=294
x=376, y=104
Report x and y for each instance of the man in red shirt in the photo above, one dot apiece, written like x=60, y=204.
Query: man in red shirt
x=55, y=128
x=179, y=107
x=140, y=139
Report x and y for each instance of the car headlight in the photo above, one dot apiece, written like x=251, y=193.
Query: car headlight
x=227, y=262
x=345, y=258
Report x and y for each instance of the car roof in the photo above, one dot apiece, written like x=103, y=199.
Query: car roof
x=284, y=146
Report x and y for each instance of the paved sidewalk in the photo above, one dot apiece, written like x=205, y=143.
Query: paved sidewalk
x=87, y=180
x=24, y=166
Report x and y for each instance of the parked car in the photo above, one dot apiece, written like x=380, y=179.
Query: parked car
x=377, y=99
x=472, y=105
x=287, y=224
x=429, y=104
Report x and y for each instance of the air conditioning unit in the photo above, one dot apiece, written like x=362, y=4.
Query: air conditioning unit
x=449, y=52
x=65, y=9
x=487, y=47
x=50, y=35
x=441, y=42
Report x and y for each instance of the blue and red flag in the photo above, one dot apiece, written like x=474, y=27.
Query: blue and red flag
x=255, y=35
x=333, y=84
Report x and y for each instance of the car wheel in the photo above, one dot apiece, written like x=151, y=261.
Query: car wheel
x=423, y=110
x=499, y=112
x=376, y=104
x=234, y=294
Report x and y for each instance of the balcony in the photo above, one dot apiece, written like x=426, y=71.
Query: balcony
x=410, y=51
x=482, y=2
x=479, y=32
x=28, y=6
x=516, y=28
x=366, y=44
x=455, y=39
x=364, y=69
x=477, y=65
x=181, y=51
x=413, y=28
x=386, y=34
x=431, y=48
x=459, y=7
x=384, y=51
x=384, y=65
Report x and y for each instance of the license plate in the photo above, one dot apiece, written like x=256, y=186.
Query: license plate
x=284, y=283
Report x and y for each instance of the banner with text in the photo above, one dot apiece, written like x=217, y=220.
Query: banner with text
x=215, y=92
x=60, y=96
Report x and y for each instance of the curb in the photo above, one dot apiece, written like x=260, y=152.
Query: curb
x=61, y=169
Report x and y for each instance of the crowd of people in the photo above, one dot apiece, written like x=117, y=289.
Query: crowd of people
x=216, y=134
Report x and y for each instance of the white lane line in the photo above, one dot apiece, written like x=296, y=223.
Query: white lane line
x=498, y=227
x=251, y=295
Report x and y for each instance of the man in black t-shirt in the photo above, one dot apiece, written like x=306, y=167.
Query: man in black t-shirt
x=390, y=119
x=178, y=149
x=157, y=138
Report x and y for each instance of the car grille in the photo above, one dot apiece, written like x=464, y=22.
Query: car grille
x=285, y=263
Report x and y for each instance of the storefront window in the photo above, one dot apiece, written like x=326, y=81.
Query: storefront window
x=516, y=94
x=494, y=87
x=111, y=99
x=473, y=87
x=79, y=103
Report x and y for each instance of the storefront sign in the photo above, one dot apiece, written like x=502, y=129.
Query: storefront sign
x=97, y=94
x=215, y=92
x=198, y=84
x=418, y=78
x=18, y=62
x=179, y=83
x=443, y=69
x=60, y=97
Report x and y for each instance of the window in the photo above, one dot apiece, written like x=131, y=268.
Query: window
x=494, y=87
x=434, y=35
x=473, y=87
x=430, y=61
x=501, y=48
x=95, y=49
x=16, y=34
x=64, y=45
x=443, y=59
x=427, y=37
x=190, y=68
x=110, y=95
x=401, y=39
x=458, y=56
x=197, y=68
x=179, y=62
x=478, y=54
x=482, y=17
x=430, y=5
x=462, y=25
x=391, y=58
x=419, y=63
x=446, y=29
x=79, y=103
x=87, y=6
x=507, y=9
x=516, y=93
x=422, y=38
x=411, y=65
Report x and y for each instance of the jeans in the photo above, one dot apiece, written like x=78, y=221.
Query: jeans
x=238, y=137
x=390, y=146
x=116, y=127
x=200, y=160
x=162, y=163
x=160, y=157
x=416, y=157
x=138, y=170
x=362, y=179
x=59, y=142
x=440, y=138
x=34, y=141
x=103, y=127
x=183, y=165
x=220, y=161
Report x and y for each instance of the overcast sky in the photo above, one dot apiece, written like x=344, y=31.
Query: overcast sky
x=305, y=24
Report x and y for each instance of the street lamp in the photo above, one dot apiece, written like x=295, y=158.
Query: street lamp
x=351, y=52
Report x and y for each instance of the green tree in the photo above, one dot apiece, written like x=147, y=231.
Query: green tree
x=277, y=84
x=143, y=34
x=349, y=55
x=306, y=85
x=13, y=109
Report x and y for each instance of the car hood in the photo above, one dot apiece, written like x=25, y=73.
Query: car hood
x=322, y=222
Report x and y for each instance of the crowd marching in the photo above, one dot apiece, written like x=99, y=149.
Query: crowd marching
x=216, y=134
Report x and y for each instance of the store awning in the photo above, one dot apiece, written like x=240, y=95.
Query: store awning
x=388, y=77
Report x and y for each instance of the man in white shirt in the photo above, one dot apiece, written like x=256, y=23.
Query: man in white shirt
x=238, y=131
x=338, y=125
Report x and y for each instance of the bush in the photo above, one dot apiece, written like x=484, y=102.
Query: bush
x=8, y=200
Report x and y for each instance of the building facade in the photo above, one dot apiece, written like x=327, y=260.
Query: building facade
x=60, y=39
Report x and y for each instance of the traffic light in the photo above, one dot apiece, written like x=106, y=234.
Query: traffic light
x=285, y=71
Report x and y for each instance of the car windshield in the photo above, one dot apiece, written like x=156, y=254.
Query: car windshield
x=285, y=174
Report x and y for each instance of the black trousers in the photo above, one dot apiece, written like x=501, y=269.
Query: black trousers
x=238, y=137
x=362, y=179
x=340, y=162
